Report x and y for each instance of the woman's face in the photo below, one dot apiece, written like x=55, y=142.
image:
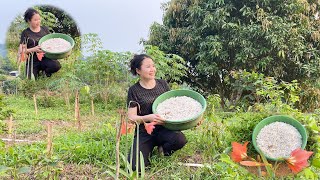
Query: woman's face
x=35, y=21
x=147, y=69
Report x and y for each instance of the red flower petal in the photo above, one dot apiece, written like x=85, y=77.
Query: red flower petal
x=301, y=155
x=125, y=130
x=40, y=55
x=149, y=127
x=298, y=160
x=251, y=163
x=239, y=151
x=295, y=169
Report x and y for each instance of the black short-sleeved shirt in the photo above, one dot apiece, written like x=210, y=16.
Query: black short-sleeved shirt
x=145, y=97
x=32, y=38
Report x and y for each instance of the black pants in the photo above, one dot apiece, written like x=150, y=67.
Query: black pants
x=48, y=66
x=170, y=141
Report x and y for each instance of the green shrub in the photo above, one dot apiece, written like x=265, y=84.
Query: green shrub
x=240, y=127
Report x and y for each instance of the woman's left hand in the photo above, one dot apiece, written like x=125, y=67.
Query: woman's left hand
x=158, y=119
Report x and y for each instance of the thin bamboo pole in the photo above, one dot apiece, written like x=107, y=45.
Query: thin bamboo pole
x=10, y=127
x=49, y=138
x=119, y=123
x=77, y=110
x=92, y=106
x=35, y=104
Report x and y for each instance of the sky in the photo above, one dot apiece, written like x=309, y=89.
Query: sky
x=120, y=24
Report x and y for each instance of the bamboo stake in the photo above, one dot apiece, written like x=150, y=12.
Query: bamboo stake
x=10, y=127
x=77, y=109
x=67, y=99
x=35, y=104
x=28, y=67
x=92, y=106
x=67, y=94
x=122, y=116
x=14, y=137
x=49, y=138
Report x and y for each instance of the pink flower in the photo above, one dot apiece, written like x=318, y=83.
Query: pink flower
x=298, y=160
x=40, y=55
x=149, y=127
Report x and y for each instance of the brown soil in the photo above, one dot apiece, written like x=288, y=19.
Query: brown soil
x=195, y=158
x=282, y=170
x=68, y=172
x=88, y=172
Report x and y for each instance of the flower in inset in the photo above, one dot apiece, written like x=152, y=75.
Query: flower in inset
x=239, y=151
x=298, y=160
x=149, y=127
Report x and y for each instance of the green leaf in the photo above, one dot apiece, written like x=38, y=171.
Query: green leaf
x=316, y=163
x=308, y=174
x=3, y=169
x=121, y=171
x=85, y=90
x=110, y=173
x=25, y=169
x=128, y=165
x=313, y=126
x=142, y=165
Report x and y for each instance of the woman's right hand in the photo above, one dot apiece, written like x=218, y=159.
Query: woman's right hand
x=156, y=118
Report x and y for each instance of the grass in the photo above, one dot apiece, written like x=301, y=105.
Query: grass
x=86, y=153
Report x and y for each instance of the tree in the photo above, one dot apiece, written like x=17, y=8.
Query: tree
x=215, y=37
x=64, y=23
x=170, y=67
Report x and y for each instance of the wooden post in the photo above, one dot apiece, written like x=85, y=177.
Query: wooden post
x=49, y=138
x=122, y=116
x=35, y=104
x=67, y=99
x=66, y=92
x=77, y=109
x=10, y=126
x=92, y=106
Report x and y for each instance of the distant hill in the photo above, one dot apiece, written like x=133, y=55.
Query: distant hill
x=3, y=51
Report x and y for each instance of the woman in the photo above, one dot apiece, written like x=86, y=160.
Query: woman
x=140, y=98
x=29, y=46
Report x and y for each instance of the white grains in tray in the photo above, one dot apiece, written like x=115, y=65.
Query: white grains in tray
x=55, y=45
x=177, y=108
x=278, y=139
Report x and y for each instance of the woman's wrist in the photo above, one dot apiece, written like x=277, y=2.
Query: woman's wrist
x=147, y=118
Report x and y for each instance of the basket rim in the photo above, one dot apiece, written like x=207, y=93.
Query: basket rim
x=180, y=121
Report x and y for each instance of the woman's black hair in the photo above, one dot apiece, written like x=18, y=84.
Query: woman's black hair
x=29, y=13
x=136, y=62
